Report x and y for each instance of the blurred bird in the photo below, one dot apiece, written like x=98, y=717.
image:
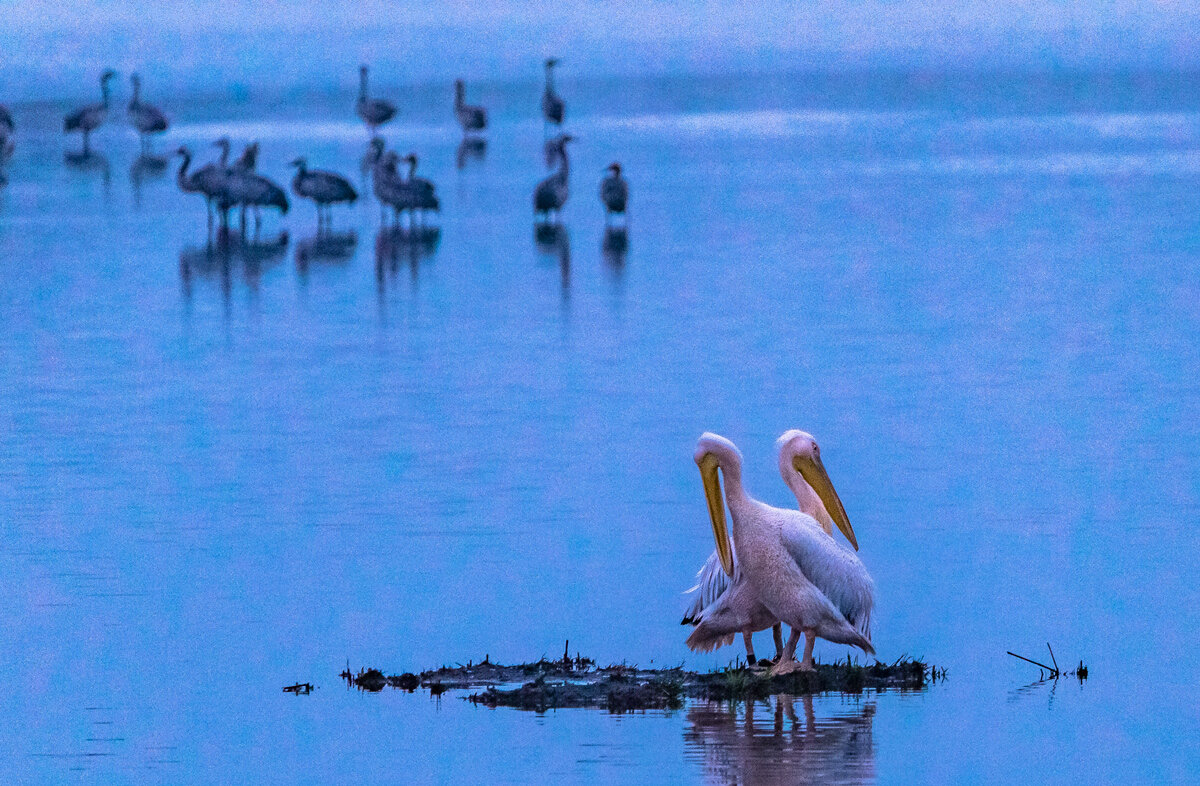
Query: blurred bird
x=92, y=116
x=552, y=105
x=145, y=118
x=471, y=118
x=551, y=194
x=373, y=111
x=614, y=192
x=324, y=188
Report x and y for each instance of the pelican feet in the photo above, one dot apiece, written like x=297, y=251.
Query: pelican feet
x=789, y=665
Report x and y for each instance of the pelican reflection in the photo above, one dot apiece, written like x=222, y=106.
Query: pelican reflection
x=472, y=148
x=769, y=742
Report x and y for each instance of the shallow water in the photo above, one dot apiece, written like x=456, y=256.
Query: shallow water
x=223, y=472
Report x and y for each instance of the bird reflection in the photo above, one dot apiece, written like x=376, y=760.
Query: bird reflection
x=411, y=245
x=89, y=162
x=614, y=247
x=472, y=148
x=332, y=248
x=145, y=167
x=230, y=253
x=767, y=742
x=553, y=240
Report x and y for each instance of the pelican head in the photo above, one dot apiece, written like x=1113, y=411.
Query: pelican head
x=107, y=75
x=800, y=464
x=614, y=167
x=715, y=452
x=362, y=70
x=300, y=162
x=182, y=151
x=551, y=62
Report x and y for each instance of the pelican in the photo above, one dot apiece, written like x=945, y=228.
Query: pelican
x=373, y=111
x=552, y=105
x=90, y=117
x=800, y=575
x=551, y=194
x=248, y=160
x=146, y=119
x=324, y=188
x=614, y=192
x=471, y=118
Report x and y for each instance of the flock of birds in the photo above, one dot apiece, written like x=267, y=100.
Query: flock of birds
x=778, y=565
x=772, y=566
x=228, y=186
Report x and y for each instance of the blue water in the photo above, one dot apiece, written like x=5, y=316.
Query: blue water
x=225, y=471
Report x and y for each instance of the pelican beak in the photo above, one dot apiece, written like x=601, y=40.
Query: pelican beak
x=716, y=510
x=813, y=472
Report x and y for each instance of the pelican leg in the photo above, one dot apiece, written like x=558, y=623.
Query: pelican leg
x=87, y=147
x=748, y=637
x=810, y=638
x=787, y=662
x=777, y=632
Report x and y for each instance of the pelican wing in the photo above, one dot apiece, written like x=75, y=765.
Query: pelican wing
x=834, y=570
x=711, y=584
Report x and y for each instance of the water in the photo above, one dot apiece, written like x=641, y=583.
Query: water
x=223, y=473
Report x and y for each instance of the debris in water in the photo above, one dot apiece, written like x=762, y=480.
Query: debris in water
x=577, y=682
x=1053, y=672
x=300, y=688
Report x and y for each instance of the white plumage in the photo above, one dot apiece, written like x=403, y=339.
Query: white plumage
x=788, y=566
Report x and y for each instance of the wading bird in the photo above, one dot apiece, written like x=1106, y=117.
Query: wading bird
x=145, y=118
x=90, y=117
x=7, y=131
x=421, y=193
x=471, y=118
x=250, y=190
x=373, y=111
x=799, y=573
x=552, y=193
x=324, y=188
x=372, y=156
x=614, y=192
x=208, y=180
x=552, y=105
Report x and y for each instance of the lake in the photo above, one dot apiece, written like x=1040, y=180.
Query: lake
x=225, y=469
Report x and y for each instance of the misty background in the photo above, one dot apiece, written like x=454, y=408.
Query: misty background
x=54, y=50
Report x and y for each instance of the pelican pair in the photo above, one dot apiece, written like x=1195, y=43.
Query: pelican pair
x=782, y=565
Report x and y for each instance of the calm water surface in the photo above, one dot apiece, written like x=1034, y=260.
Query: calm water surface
x=221, y=473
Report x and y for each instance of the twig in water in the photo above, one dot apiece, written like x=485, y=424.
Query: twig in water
x=1053, y=672
x=1052, y=660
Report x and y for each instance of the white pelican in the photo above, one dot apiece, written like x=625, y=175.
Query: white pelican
x=799, y=574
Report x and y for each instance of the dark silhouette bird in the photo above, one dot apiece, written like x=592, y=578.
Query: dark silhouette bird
x=324, y=188
x=146, y=119
x=208, y=180
x=421, y=193
x=250, y=190
x=92, y=116
x=614, y=192
x=372, y=156
x=471, y=118
x=551, y=194
x=7, y=132
x=373, y=111
x=248, y=160
x=552, y=105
